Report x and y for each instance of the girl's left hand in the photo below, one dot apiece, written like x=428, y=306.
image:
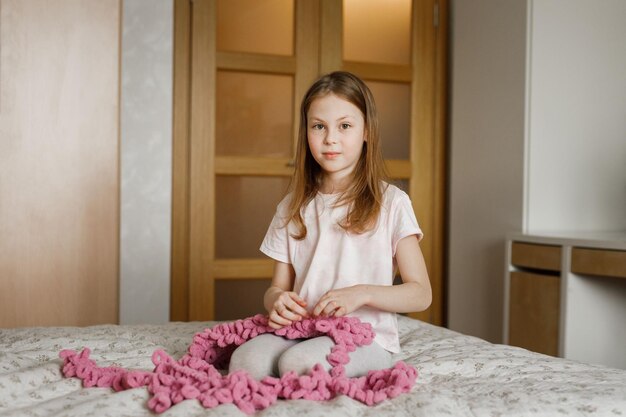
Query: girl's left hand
x=340, y=302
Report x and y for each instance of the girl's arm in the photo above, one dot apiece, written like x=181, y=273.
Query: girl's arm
x=414, y=294
x=283, y=305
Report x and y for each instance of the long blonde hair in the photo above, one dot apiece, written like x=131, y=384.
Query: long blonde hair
x=365, y=194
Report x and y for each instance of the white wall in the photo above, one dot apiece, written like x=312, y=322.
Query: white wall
x=488, y=46
x=577, y=116
x=146, y=155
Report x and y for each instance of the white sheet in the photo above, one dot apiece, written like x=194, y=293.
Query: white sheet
x=458, y=376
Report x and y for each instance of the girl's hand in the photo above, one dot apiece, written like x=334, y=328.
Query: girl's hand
x=340, y=302
x=287, y=308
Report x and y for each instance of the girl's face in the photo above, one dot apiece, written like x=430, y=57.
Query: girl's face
x=335, y=132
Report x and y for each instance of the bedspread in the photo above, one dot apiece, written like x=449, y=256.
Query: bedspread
x=459, y=375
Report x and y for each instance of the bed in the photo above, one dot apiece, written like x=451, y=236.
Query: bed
x=459, y=375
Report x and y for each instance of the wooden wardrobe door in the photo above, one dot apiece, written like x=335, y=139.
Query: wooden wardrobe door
x=222, y=167
x=59, y=181
x=399, y=50
x=251, y=63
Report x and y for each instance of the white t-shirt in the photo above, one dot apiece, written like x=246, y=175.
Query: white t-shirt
x=330, y=258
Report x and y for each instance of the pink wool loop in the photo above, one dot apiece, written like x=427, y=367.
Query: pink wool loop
x=195, y=376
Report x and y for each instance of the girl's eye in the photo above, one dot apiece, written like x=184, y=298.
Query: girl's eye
x=345, y=125
x=317, y=126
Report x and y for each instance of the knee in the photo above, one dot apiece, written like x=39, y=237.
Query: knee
x=255, y=365
x=291, y=361
x=299, y=361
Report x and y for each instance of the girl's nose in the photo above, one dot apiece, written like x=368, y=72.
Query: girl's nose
x=330, y=137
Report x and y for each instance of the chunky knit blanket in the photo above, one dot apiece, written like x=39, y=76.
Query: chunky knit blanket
x=195, y=375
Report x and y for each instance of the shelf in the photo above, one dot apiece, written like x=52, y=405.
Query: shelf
x=565, y=295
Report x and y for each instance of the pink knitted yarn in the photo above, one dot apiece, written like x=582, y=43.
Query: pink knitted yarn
x=194, y=376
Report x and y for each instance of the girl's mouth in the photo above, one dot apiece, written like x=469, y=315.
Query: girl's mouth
x=330, y=155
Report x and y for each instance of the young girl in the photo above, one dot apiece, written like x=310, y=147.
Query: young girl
x=337, y=238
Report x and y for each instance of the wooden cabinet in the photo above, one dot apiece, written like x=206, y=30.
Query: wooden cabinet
x=565, y=295
x=534, y=314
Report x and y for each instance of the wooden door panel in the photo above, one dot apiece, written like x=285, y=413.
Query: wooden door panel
x=252, y=26
x=371, y=26
x=253, y=114
x=393, y=102
x=238, y=298
x=245, y=206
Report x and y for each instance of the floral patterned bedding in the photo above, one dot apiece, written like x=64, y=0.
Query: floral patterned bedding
x=458, y=376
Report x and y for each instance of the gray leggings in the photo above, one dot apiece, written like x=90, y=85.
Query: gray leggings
x=271, y=355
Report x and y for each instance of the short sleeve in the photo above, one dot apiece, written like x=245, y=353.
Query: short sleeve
x=404, y=222
x=276, y=241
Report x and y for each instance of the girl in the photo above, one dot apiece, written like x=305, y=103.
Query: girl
x=337, y=238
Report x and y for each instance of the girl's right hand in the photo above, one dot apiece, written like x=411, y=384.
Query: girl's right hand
x=287, y=308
